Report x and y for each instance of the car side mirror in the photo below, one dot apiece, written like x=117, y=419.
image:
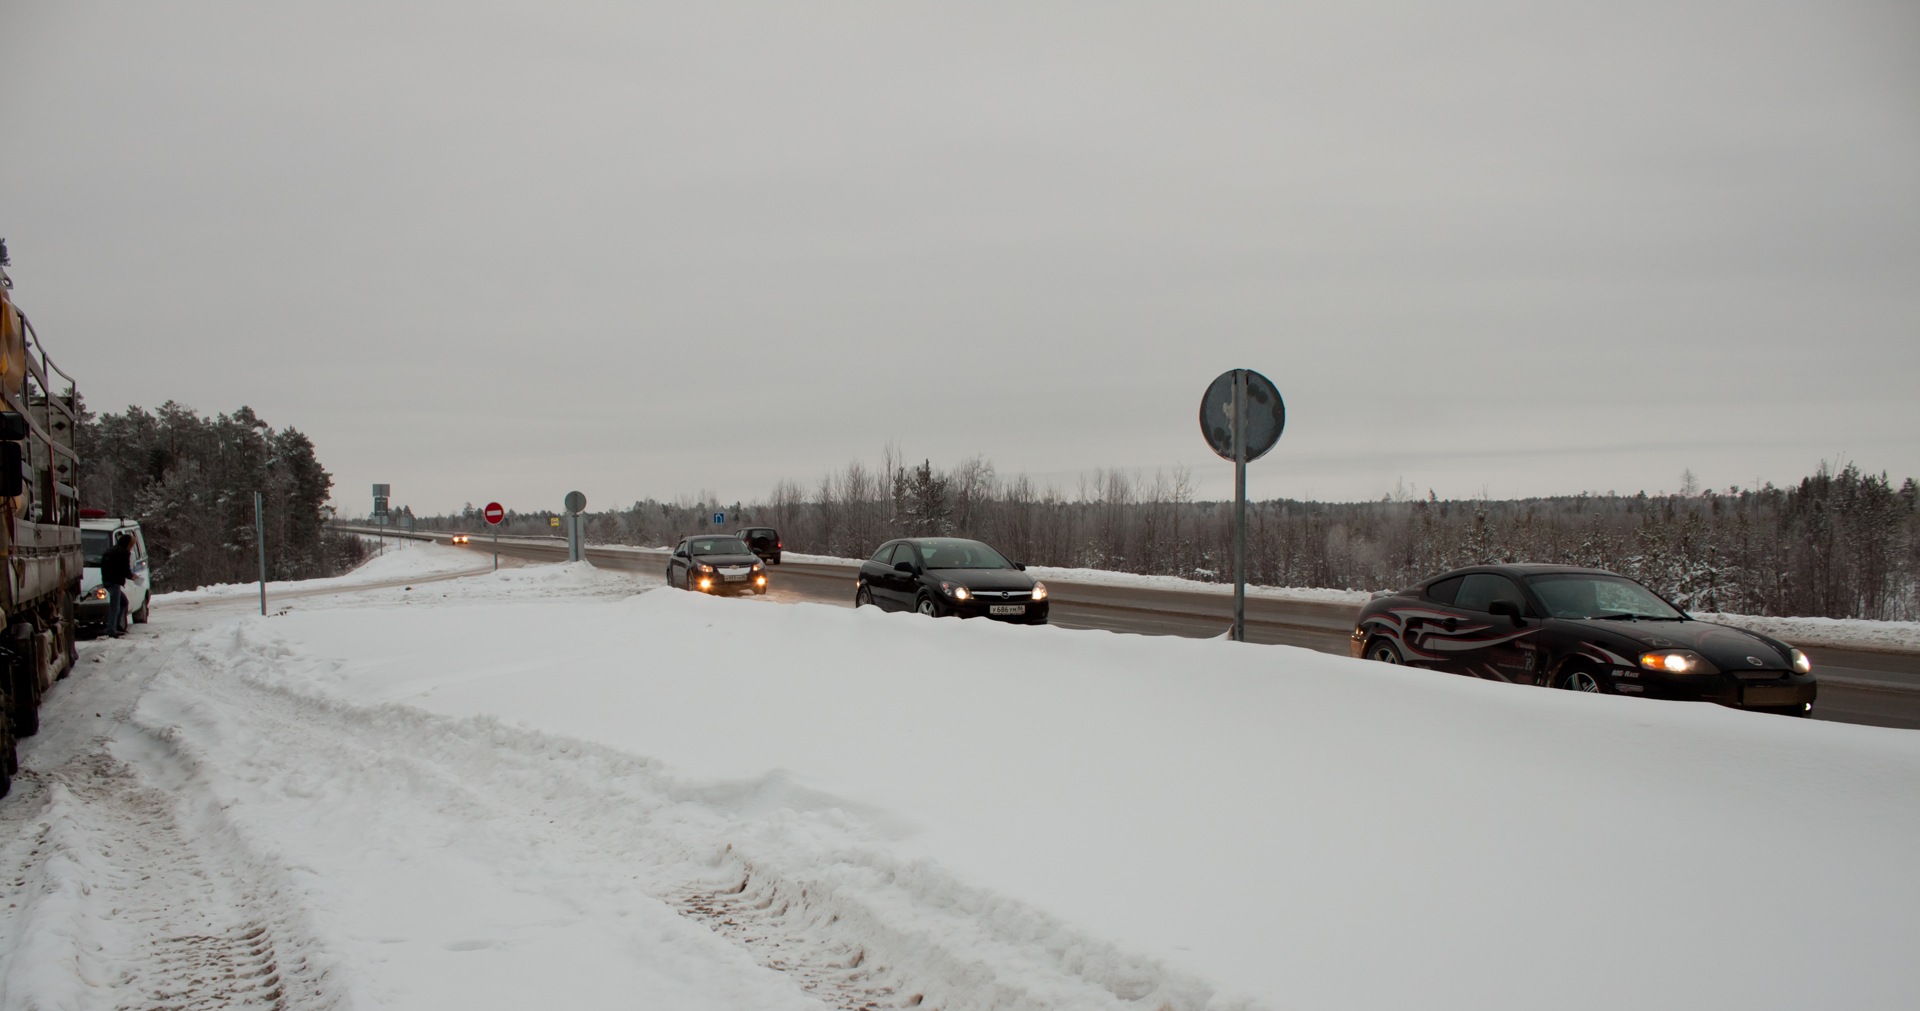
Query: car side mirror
x=1505, y=608
x=906, y=567
x=1022, y=566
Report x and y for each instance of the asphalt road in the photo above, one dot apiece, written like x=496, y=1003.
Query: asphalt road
x=1856, y=686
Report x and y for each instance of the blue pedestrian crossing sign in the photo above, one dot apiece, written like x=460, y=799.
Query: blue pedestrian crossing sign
x=719, y=518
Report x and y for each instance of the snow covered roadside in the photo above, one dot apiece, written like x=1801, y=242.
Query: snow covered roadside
x=558, y=791
x=402, y=559
x=1841, y=633
x=1103, y=577
x=534, y=787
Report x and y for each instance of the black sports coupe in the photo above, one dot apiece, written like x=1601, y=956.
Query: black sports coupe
x=1581, y=629
x=717, y=564
x=950, y=575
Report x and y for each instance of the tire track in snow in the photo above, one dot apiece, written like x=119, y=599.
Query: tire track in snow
x=136, y=896
x=844, y=922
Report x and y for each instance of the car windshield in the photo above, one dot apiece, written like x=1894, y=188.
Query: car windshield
x=93, y=544
x=716, y=546
x=1592, y=595
x=954, y=553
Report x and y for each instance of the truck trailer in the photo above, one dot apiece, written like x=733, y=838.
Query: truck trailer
x=39, y=524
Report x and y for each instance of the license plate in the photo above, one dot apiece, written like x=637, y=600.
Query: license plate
x=1007, y=609
x=731, y=578
x=1776, y=695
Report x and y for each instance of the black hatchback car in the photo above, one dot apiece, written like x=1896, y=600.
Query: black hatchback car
x=1582, y=629
x=717, y=563
x=949, y=575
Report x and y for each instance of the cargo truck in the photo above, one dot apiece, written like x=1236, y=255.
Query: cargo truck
x=39, y=524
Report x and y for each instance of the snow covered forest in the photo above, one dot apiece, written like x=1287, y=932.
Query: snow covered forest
x=1842, y=543
x=190, y=481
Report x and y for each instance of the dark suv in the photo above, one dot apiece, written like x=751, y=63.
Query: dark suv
x=764, y=541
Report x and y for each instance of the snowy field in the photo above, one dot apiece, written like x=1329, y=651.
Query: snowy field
x=555, y=786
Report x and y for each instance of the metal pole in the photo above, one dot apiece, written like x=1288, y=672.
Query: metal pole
x=260, y=535
x=1239, y=505
x=496, y=548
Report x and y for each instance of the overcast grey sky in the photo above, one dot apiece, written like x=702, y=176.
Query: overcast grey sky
x=487, y=251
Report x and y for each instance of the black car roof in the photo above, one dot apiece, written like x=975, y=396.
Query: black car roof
x=1520, y=569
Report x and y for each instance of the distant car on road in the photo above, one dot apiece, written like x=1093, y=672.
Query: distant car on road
x=716, y=563
x=1585, y=630
x=765, y=542
x=949, y=575
x=458, y=539
x=97, y=534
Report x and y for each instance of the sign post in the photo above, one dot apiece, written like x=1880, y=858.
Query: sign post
x=576, y=543
x=260, y=536
x=382, y=494
x=1241, y=417
x=494, y=515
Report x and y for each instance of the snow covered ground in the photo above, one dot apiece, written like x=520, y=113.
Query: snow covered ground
x=1847, y=633
x=554, y=786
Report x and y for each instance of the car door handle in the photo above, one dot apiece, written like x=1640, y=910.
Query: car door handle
x=1453, y=624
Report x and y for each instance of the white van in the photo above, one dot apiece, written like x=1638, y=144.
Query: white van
x=96, y=536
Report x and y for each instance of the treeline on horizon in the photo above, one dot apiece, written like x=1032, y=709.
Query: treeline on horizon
x=1841, y=543
x=190, y=482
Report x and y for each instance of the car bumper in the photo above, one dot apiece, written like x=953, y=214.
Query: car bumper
x=720, y=586
x=1032, y=612
x=1767, y=690
x=91, y=612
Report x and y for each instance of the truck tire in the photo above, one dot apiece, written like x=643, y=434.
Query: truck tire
x=23, y=698
x=9, y=761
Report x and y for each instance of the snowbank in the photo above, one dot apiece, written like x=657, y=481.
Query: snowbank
x=1843, y=633
x=402, y=559
x=1038, y=817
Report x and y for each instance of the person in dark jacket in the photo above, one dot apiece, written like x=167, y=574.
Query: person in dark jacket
x=116, y=567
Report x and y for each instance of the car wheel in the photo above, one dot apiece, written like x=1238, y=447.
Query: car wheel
x=140, y=616
x=863, y=597
x=927, y=607
x=1580, y=679
x=1384, y=651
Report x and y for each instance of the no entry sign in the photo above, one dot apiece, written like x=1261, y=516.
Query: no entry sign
x=494, y=513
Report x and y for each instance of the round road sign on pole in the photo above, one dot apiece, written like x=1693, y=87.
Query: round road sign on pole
x=1241, y=417
x=576, y=549
x=494, y=514
x=1266, y=414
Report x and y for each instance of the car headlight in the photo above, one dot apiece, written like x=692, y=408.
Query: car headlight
x=1801, y=664
x=704, y=567
x=99, y=593
x=1039, y=591
x=1669, y=661
x=955, y=590
x=756, y=566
